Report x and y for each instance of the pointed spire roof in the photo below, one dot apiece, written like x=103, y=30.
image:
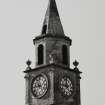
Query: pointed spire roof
x=52, y=24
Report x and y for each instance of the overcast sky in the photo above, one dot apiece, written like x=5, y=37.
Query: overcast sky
x=83, y=21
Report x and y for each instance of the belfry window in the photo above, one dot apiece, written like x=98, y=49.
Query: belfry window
x=64, y=55
x=44, y=29
x=40, y=54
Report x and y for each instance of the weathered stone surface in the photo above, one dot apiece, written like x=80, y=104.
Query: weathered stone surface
x=52, y=20
x=53, y=94
x=52, y=50
x=53, y=39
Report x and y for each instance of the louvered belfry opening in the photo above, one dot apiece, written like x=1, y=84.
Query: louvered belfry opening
x=64, y=55
x=40, y=54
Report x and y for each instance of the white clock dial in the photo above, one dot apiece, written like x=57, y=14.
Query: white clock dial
x=66, y=86
x=39, y=86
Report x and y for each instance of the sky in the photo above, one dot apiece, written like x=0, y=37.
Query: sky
x=83, y=21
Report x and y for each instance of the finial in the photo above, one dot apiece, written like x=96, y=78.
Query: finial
x=75, y=63
x=28, y=62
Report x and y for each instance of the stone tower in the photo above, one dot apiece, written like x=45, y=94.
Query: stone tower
x=52, y=81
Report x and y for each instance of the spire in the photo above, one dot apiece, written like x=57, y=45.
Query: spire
x=52, y=24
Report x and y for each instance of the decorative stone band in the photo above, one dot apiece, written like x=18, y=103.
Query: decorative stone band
x=53, y=65
x=52, y=36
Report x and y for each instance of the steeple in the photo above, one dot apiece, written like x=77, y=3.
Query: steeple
x=52, y=81
x=52, y=24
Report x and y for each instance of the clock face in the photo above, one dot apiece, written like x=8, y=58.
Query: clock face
x=39, y=85
x=66, y=86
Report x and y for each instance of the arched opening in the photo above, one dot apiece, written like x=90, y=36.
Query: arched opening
x=40, y=54
x=64, y=55
x=44, y=29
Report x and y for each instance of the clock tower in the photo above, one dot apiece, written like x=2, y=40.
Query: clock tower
x=52, y=81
